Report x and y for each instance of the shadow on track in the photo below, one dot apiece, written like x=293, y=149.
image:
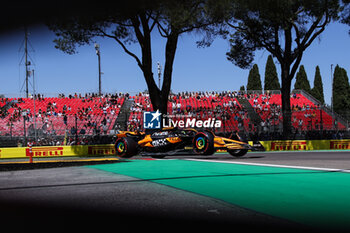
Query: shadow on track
x=173, y=178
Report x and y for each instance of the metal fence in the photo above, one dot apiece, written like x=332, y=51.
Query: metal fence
x=317, y=122
x=56, y=130
x=308, y=124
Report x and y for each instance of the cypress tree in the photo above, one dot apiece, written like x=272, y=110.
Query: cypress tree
x=254, y=81
x=271, y=81
x=340, y=90
x=301, y=82
x=317, y=90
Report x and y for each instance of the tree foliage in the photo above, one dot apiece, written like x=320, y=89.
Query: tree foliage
x=340, y=90
x=317, y=90
x=301, y=81
x=134, y=21
x=271, y=81
x=282, y=27
x=345, y=16
x=254, y=81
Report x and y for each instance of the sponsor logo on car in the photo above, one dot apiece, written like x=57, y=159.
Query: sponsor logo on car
x=159, y=142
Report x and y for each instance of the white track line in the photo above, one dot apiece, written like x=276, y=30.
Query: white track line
x=274, y=165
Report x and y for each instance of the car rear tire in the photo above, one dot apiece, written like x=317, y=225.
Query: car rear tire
x=238, y=153
x=203, y=143
x=125, y=147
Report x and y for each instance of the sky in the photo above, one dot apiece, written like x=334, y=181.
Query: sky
x=195, y=69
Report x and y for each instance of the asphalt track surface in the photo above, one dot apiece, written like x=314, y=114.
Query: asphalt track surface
x=181, y=192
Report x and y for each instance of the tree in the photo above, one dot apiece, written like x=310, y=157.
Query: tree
x=134, y=21
x=317, y=90
x=340, y=91
x=345, y=16
x=254, y=81
x=284, y=28
x=301, y=82
x=271, y=81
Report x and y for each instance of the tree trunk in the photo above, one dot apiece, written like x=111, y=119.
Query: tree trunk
x=170, y=51
x=286, y=110
x=159, y=98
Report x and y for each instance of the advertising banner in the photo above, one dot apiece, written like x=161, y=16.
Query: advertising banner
x=301, y=145
x=108, y=149
x=57, y=151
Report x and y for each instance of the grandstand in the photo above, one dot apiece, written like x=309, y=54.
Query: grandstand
x=59, y=116
x=89, y=115
x=223, y=107
x=306, y=114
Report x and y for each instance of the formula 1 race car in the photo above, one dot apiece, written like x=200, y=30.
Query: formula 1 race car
x=172, y=140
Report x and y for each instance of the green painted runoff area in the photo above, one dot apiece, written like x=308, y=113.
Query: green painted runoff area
x=311, y=197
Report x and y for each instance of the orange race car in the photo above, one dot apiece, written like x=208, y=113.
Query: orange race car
x=169, y=141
